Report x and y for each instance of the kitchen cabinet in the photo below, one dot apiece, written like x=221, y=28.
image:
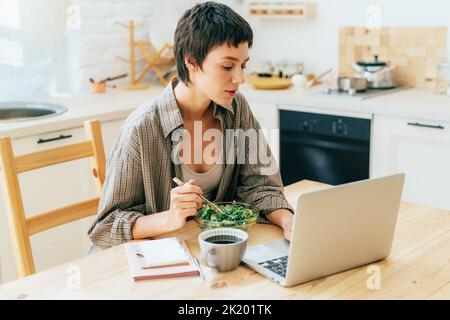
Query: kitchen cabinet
x=419, y=148
x=49, y=188
x=267, y=116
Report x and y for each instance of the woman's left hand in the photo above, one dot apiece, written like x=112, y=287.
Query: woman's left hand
x=284, y=219
x=287, y=227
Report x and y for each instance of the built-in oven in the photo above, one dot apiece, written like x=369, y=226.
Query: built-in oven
x=327, y=148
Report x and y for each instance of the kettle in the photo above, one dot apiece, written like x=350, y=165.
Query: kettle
x=379, y=74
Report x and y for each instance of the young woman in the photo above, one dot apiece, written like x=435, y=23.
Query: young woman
x=165, y=138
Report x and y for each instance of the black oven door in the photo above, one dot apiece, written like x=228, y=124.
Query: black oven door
x=325, y=148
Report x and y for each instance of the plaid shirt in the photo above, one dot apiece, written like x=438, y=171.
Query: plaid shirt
x=140, y=169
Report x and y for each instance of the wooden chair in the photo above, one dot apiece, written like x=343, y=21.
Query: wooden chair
x=22, y=227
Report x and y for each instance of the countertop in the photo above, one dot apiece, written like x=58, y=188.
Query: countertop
x=112, y=105
x=115, y=104
x=417, y=268
x=422, y=104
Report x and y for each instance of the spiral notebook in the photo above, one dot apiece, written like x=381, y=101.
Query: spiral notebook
x=162, y=258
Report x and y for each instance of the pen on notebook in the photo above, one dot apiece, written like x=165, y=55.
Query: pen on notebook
x=139, y=253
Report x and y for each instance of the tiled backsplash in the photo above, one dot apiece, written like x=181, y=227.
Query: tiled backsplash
x=415, y=51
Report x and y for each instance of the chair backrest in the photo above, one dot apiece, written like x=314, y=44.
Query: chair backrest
x=21, y=227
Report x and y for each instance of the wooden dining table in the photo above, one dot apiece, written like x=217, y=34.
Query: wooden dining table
x=417, y=268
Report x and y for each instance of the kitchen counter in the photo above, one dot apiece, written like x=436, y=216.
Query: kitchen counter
x=112, y=105
x=423, y=104
x=417, y=268
x=115, y=104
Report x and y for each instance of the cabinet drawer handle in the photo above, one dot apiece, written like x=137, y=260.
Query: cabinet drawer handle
x=417, y=124
x=53, y=139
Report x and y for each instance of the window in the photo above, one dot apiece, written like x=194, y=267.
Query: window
x=31, y=43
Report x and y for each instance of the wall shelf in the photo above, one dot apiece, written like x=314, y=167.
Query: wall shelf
x=282, y=9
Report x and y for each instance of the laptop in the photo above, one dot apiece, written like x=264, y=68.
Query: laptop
x=335, y=229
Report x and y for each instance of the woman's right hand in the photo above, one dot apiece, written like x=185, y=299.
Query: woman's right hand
x=184, y=202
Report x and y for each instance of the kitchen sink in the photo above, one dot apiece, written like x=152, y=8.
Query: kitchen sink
x=28, y=110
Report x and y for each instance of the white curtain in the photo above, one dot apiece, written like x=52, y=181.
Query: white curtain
x=31, y=46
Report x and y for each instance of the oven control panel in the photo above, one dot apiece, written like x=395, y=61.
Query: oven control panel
x=325, y=124
x=340, y=127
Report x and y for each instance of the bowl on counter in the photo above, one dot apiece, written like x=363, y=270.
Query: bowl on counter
x=236, y=215
x=269, y=83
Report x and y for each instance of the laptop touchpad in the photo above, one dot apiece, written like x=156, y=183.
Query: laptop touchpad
x=267, y=251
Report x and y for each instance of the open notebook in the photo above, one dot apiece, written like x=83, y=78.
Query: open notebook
x=162, y=258
x=163, y=252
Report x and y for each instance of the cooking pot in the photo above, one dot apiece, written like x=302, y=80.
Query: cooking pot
x=379, y=74
x=352, y=84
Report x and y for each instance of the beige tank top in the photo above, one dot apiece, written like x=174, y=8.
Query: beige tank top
x=207, y=181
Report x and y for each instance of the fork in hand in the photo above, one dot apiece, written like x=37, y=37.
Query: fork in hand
x=180, y=183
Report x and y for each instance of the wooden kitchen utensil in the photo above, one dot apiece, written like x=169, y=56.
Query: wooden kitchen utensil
x=159, y=61
x=134, y=83
x=114, y=78
x=316, y=80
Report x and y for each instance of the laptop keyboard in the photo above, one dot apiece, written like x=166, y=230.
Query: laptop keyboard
x=277, y=265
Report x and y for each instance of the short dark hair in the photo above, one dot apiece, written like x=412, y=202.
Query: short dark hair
x=204, y=27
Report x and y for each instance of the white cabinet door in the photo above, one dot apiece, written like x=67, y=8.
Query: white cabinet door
x=267, y=116
x=419, y=148
x=48, y=188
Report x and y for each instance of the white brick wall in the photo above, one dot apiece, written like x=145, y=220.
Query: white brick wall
x=92, y=47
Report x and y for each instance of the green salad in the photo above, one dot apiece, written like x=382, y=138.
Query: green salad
x=233, y=214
